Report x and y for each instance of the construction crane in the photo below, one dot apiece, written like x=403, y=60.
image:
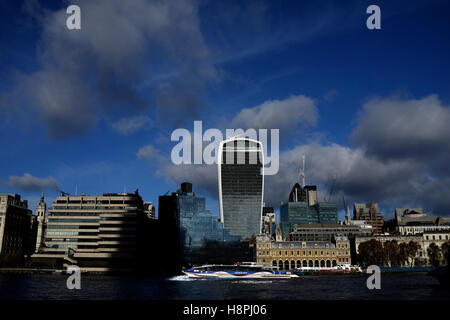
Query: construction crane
x=333, y=183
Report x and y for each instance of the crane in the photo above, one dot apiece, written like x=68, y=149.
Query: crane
x=333, y=183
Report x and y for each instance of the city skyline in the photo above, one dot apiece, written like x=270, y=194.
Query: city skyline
x=371, y=106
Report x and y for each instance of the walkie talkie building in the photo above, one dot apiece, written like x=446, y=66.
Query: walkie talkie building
x=241, y=185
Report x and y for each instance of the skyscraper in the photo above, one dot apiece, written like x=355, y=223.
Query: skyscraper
x=241, y=185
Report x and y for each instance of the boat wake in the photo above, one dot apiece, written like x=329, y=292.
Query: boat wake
x=181, y=278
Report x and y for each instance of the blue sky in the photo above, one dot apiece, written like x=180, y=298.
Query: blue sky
x=76, y=107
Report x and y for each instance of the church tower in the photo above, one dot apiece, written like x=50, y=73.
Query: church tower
x=41, y=212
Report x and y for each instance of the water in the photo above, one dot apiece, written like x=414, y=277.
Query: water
x=342, y=287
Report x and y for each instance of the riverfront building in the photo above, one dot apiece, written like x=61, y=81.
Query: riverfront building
x=16, y=230
x=326, y=232
x=94, y=231
x=241, y=185
x=188, y=223
x=424, y=241
x=294, y=254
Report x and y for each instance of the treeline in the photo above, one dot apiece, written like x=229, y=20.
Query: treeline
x=391, y=253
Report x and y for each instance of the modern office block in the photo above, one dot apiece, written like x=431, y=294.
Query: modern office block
x=241, y=185
x=94, y=231
x=188, y=224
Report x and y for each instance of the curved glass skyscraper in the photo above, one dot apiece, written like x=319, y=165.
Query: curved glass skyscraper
x=241, y=185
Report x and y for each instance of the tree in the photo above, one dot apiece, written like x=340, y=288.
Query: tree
x=392, y=253
x=411, y=250
x=434, y=254
x=370, y=253
x=403, y=251
x=445, y=248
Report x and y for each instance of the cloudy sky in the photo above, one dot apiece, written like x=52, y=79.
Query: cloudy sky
x=92, y=110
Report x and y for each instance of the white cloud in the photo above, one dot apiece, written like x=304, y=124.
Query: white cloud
x=30, y=183
x=278, y=114
x=131, y=124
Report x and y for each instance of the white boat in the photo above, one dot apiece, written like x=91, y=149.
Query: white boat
x=237, y=271
x=347, y=268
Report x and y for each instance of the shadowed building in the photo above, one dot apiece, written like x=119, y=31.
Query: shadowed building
x=241, y=185
x=16, y=230
x=188, y=225
x=94, y=231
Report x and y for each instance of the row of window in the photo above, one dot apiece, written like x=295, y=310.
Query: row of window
x=310, y=253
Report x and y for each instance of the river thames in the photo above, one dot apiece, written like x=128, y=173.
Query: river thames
x=342, y=287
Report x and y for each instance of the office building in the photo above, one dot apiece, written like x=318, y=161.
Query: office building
x=188, y=224
x=241, y=185
x=294, y=213
x=94, y=231
x=326, y=232
x=16, y=229
x=370, y=213
x=288, y=255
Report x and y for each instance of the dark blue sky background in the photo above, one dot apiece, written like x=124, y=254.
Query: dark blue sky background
x=221, y=57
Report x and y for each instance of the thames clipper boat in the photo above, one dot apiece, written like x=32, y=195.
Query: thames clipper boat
x=237, y=271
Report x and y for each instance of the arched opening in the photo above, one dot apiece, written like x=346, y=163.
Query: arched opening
x=286, y=265
x=311, y=263
x=305, y=263
x=322, y=263
x=316, y=263
x=274, y=263
x=299, y=263
x=292, y=264
x=334, y=263
x=280, y=265
x=328, y=263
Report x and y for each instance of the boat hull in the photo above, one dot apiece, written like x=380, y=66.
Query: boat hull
x=239, y=275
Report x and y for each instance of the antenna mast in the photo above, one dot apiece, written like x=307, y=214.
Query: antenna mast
x=302, y=173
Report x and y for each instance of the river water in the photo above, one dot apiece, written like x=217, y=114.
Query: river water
x=341, y=287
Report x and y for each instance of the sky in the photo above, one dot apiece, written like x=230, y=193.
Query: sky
x=93, y=110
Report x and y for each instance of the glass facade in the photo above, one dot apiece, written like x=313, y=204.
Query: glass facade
x=197, y=223
x=241, y=186
x=294, y=213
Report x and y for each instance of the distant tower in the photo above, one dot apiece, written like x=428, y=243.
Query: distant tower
x=41, y=211
x=302, y=173
x=278, y=232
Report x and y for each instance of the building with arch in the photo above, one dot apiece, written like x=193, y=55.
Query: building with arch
x=288, y=255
